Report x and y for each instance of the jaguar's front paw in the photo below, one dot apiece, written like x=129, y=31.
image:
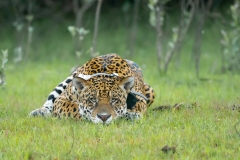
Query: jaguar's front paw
x=40, y=112
x=133, y=115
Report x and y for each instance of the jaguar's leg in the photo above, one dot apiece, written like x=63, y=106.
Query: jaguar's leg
x=149, y=93
x=65, y=108
x=47, y=107
x=141, y=105
x=138, y=110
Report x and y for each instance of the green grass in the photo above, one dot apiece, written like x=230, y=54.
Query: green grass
x=204, y=130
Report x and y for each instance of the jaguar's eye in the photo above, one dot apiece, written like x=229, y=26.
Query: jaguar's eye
x=93, y=100
x=114, y=101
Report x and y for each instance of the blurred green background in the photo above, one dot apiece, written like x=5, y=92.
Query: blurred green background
x=34, y=31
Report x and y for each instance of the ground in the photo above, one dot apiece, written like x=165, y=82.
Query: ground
x=202, y=127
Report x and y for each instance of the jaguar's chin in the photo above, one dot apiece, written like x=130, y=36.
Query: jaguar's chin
x=96, y=121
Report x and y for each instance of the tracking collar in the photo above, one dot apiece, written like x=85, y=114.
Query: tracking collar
x=87, y=77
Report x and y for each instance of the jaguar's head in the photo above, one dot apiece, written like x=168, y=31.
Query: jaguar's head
x=102, y=97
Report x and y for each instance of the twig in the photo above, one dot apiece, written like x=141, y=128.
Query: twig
x=196, y=52
x=183, y=28
x=4, y=59
x=158, y=27
x=75, y=6
x=29, y=29
x=134, y=27
x=79, y=13
x=96, y=27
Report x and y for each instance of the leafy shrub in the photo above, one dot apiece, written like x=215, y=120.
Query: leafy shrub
x=231, y=41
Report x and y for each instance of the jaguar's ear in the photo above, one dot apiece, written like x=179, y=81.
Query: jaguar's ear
x=79, y=83
x=127, y=83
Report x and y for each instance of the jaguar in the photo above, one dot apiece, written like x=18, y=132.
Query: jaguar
x=103, y=89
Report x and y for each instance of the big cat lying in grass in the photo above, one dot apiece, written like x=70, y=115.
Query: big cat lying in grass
x=103, y=89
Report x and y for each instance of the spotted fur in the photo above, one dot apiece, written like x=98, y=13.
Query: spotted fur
x=103, y=89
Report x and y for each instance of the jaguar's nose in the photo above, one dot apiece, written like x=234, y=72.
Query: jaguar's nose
x=104, y=116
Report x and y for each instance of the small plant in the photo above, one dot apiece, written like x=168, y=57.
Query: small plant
x=30, y=30
x=18, y=53
x=231, y=41
x=156, y=19
x=18, y=50
x=24, y=29
x=4, y=59
x=80, y=33
x=95, y=32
